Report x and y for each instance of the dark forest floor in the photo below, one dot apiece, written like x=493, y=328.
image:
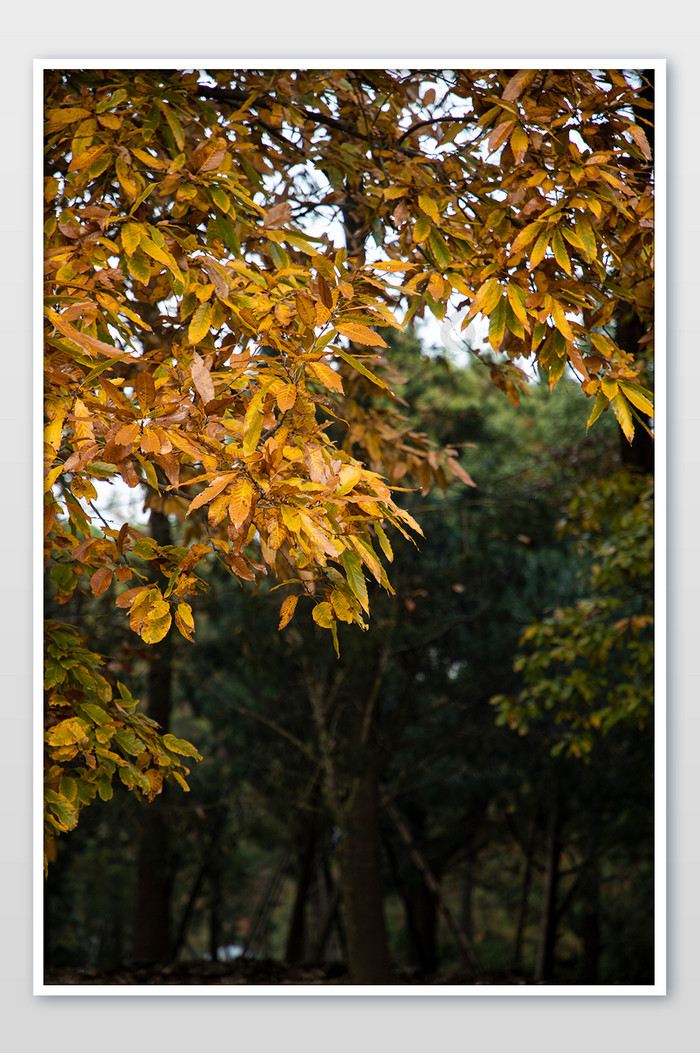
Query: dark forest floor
x=254, y=971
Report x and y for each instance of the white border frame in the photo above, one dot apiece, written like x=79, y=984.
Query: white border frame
x=658, y=988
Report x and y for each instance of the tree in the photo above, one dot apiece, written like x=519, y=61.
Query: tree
x=204, y=332
x=589, y=666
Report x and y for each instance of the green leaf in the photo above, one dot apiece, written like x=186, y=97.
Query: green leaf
x=228, y=234
x=220, y=198
x=439, y=248
x=560, y=253
x=96, y=713
x=105, y=788
x=356, y=579
x=383, y=541
x=539, y=249
x=497, y=324
x=360, y=367
x=139, y=267
x=585, y=232
x=516, y=299
x=181, y=746
x=600, y=404
x=173, y=123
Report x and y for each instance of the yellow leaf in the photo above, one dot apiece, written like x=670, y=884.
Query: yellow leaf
x=421, y=228
x=131, y=237
x=609, y=388
x=639, y=397
x=561, y=321
x=516, y=299
x=184, y=620
x=624, y=417
x=586, y=234
x=252, y=424
x=51, y=477
x=525, y=236
x=86, y=158
x=519, y=143
x=487, y=298
x=429, y=207
x=287, y=611
x=323, y=615
x=90, y=344
x=200, y=324
x=367, y=555
x=156, y=623
x=600, y=404
x=343, y=605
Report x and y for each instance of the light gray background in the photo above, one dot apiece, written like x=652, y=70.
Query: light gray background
x=372, y=29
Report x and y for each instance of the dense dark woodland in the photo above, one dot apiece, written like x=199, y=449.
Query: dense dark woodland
x=499, y=863
x=464, y=795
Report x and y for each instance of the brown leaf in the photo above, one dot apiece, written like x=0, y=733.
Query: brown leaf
x=145, y=389
x=517, y=83
x=277, y=216
x=101, y=580
x=215, y=273
x=201, y=378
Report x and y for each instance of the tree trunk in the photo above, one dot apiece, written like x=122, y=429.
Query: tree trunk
x=361, y=887
x=152, y=937
x=590, y=894
x=467, y=911
x=297, y=937
x=525, y=892
x=544, y=969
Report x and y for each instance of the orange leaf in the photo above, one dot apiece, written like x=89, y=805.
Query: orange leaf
x=360, y=334
x=241, y=500
x=211, y=491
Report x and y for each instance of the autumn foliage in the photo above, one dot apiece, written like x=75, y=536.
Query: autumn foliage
x=208, y=340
